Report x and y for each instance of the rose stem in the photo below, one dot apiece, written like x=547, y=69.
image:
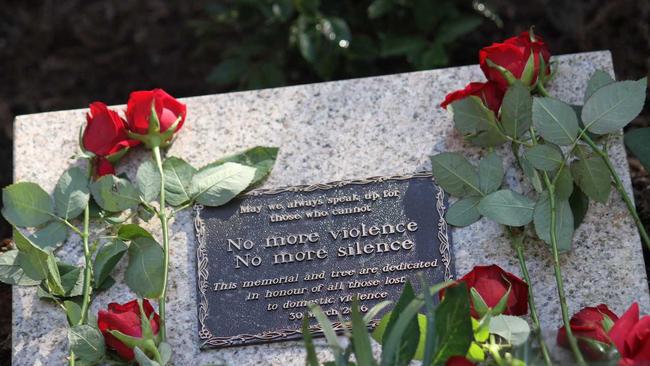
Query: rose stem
x=619, y=187
x=556, y=261
x=162, y=216
x=517, y=241
x=87, y=269
x=558, y=273
x=617, y=180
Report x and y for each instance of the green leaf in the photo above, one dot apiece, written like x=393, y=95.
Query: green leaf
x=507, y=208
x=476, y=122
x=71, y=193
x=490, y=173
x=564, y=222
x=564, y=184
x=400, y=45
x=511, y=328
x=261, y=158
x=360, y=338
x=26, y=204
x=131, y=231
x=72, y=278
x=165, y=351
x=311, y=358
x=72, y=312
x=379, y=8
x=455, y=174
x=87, y=343
x=637, y=141
x=106, y=259
x=228, y=71
x=454, y=28
x=479, y=304
x=37, y=263
x=10, y=271
x=464, y=212
x=454, y=333
x=400, y=345
x=335, y=30
x=144, y=273
x=592, y=176
x=148, y=180
x=598, y=79
x=613, y=106
x=545, y=157
x=530, y=172
x=555, y=121
x=178, y=176
x=516, y=110
x=142, y=359
x=115, y=194
x=215, y=186
x=51, y=235
x=579, y=205
x=327, y=328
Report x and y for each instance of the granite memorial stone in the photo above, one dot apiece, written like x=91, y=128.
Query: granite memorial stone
x=379, y=126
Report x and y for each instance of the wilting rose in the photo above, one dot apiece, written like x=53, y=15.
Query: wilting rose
x=589, y=323
x=514, y=55
x=168, y=110
x=105, y=136
x=489, y=93
x=492, y=283
x=125, y=318
x=631, y=336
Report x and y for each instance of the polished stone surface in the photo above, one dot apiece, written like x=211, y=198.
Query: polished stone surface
x=330, y=131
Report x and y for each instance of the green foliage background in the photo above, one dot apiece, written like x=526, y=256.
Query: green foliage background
x=277, y=42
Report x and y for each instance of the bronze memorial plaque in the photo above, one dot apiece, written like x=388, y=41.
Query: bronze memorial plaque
x=263, y=257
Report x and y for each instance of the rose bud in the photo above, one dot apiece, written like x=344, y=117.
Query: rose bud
x=105, y=137
x=489, y=93
x=519, y=57
x=129, y=325
x=154, y=116
x=588, y=325
x=631, y=336
x=489, y=285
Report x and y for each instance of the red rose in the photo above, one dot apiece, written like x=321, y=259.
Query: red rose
x=514, y=55
x=492, y=283
x=589, y=323
x=126, y=319
x=631, y=336
x=103, y=167
x=458, y=361
x=168, y=110
x=489, y=93
x=105, y=136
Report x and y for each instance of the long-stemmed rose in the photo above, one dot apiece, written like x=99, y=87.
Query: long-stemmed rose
x=490, y=284
x=105, y=136
x=524, y=58
x=153, y=118
x=130, y=325
x=589, y=325
x=599, y=330
x=631, y=335
x=489, y=93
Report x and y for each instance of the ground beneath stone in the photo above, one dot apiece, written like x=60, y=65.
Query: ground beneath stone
x=64, y=54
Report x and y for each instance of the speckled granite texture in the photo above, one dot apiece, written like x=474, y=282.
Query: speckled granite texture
x=330, y=131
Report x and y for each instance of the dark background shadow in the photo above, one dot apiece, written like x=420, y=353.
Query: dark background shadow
x=67, y=53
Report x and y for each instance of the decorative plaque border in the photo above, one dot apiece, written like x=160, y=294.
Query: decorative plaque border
x=206, y=336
